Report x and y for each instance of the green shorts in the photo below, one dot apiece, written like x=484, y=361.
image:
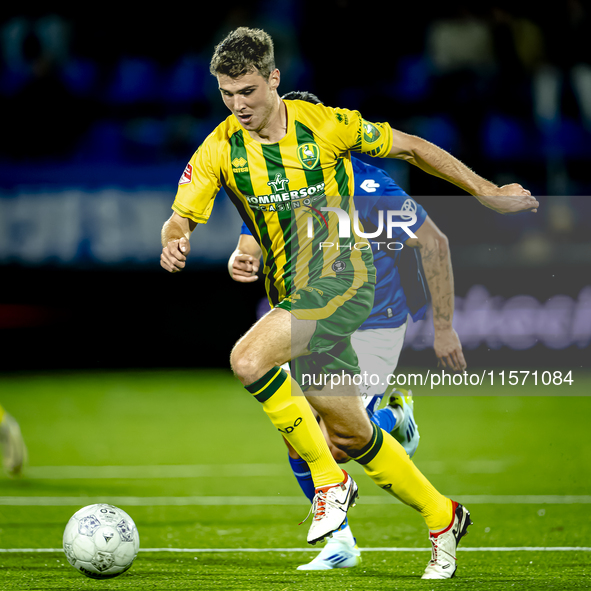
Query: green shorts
x=339, y=305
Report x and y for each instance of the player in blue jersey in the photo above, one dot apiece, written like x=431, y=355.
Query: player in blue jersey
x=400, y=292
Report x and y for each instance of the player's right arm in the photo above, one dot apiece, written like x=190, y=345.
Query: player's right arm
x=245, y=260
x=512, y=198
x=175, y=236
x=380, y=139
x=435, y=254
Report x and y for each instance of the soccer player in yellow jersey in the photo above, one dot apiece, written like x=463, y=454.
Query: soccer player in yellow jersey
x=286, y=166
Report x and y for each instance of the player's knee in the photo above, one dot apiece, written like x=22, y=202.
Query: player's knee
x=246, y=365
x=243, y=365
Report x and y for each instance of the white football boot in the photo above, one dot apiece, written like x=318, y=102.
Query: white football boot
x=406, y=431
x=444, y=543
x=341, y=551
x=329, y=508
x=14, y=451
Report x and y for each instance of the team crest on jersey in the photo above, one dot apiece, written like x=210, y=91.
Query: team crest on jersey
x=371, y=133
x=187, y=175
x=308, y=155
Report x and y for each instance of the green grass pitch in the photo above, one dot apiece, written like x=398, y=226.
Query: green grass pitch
x=193, y=459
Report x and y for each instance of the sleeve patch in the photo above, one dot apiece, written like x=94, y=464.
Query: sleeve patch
x=371, y=133
x=187, y=175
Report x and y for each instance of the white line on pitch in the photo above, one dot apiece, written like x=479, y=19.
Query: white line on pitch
x=468, y=549
x=228, y=470
x=151, y=501
x=153, y=472
x=238, y=550
x=221, y=501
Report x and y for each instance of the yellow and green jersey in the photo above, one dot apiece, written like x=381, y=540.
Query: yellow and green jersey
x=280, y=190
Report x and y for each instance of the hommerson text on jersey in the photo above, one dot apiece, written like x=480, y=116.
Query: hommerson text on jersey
x=290, y=200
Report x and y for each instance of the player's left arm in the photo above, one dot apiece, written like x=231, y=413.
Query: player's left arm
x=512, y=198
x=434, y=247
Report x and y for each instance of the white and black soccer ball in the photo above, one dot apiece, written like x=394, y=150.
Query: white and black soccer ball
x=101, y=541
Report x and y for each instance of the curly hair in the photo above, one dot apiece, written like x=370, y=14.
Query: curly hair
x=244, y=51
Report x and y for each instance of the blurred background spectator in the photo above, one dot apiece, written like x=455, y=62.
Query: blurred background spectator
x=505, y=84
x=99, y=114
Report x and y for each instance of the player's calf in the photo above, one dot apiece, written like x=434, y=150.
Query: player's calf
x=347, y=425
x=349, y=445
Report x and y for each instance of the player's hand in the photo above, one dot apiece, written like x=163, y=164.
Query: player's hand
x=174, y=255
x=510, y=199
x=244, y=268
x=448, y=349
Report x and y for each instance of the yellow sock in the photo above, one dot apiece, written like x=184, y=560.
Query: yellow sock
x=289, y=411
x=388, y=465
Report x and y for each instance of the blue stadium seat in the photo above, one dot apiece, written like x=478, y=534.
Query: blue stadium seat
x=438, y=129
x=509, y=138
x=80, y=76
x=413, y=78
x=134, y=80
x=12, y=80
x=186, y=80
x=103, y=143
x=147, y=132
x=145, y=140
x=568, y=138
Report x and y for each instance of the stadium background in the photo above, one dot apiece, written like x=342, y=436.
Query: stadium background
x=99, y=114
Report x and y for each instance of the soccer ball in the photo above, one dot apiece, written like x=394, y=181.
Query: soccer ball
x=101, y=541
